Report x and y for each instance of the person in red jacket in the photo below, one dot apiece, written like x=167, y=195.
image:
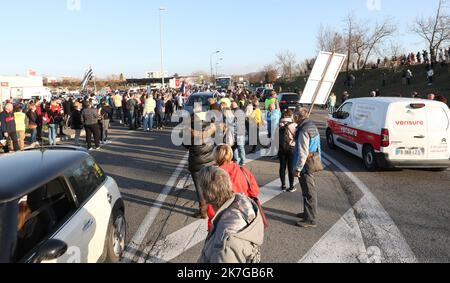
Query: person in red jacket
x=242, y=179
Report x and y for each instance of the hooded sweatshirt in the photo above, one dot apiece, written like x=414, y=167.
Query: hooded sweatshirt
x=237, y=234
x=240, y=185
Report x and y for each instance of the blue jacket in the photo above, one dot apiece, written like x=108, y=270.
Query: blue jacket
x=307, y=141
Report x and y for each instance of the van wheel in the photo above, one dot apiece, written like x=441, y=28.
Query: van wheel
x=115, y=238
x=370, y=161
x=330, y=140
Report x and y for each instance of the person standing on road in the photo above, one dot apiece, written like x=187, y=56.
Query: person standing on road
x=105, y=114
x=286, y=152
x=33, y=123
x=307, y=144
x=76, y=122
x=237, y=232
x=201, y=154
x=19, y=118
x=149, y=112
x=8, y=126
x=243, y=181
x=274, y=117
x=90, y=118
x=117, y=100
x=131, y=110
x=40, y=120
x=51, y=118
x=256, y=121
x=332, y=103
x=160, y=109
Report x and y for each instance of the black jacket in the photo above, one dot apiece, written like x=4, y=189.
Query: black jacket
x=200, y=156
x=106, y=112
x=33, y=118
x=8, y=123
x=75, y=120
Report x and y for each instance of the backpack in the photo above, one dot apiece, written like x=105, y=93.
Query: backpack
x=130, y=106
x=286, y=138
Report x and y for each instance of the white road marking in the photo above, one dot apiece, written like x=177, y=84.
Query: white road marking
x=343, y=243
x=136, y=242
x=184, y=239
x=376, y=225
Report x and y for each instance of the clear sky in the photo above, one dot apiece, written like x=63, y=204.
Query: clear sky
x=123, y=36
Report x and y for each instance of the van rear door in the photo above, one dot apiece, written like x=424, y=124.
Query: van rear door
x=408, y=132
x=438, y=132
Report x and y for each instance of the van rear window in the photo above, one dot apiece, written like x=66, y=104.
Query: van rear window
x=409, y=120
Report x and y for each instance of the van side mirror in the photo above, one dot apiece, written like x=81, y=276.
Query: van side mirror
x=51, y=250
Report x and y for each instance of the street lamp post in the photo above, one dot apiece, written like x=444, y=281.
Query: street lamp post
x=161, y=43
x=217, y=66
x=211, y=62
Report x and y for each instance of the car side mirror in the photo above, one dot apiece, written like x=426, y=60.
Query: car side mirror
x=51, y=250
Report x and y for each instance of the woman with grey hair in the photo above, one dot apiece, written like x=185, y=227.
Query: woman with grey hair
x=238, y=230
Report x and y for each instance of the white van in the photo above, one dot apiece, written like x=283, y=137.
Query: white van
x=393, y=132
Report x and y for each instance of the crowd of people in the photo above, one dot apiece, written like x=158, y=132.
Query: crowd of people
x=421, y=57
x=92, y=113
x=227, y=192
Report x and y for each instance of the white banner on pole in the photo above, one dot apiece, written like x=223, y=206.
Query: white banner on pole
x=323, y=76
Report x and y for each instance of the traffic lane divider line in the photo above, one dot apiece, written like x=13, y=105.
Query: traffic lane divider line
x=377, y=227
x=343, y=243
x=189, y=236
x=138, y=238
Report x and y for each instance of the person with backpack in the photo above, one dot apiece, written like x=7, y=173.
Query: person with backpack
x=307, y=162
x=286, y=151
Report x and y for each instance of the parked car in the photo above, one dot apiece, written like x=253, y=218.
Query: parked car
x=58, y=206
x=289, y=101
x=393, y=132
x=202, y=99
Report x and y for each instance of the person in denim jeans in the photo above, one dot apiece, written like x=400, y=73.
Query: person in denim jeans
x=51, y=119
x=239, y=134
x=149, y=112
x=33, y=123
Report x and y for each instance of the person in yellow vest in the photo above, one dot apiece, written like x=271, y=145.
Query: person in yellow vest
x=19, y=118
x=256, y=119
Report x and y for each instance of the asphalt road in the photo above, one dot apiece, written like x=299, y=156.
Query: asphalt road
x=388, y=216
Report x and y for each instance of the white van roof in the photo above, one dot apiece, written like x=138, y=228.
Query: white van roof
x=391, y=100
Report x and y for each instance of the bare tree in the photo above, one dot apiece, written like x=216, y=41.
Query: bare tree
x=376, y=37
x=286, y=62
x=330, y=40
x=270, y=73
x=435, y=29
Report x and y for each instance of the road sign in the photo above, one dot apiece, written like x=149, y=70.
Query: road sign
x=323, y=76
